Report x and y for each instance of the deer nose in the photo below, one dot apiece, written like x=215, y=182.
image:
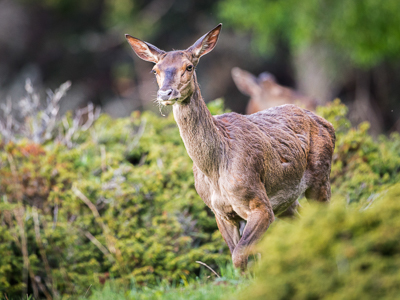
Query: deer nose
x=164, y=95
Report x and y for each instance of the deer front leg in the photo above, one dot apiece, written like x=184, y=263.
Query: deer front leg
x=229, y=231
x=258, y=221
x=291, y=211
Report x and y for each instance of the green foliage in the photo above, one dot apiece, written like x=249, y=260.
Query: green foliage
x=217, y=107
x=361, y=166
x=119, y=204
x=333, y=252
x=131, y=16
x=366, y=32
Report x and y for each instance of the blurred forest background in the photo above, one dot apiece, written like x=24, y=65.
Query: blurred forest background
x=345, y=49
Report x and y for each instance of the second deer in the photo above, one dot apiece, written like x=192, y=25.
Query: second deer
x=250, y=167
x=265, y=92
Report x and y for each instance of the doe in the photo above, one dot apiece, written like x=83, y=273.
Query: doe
x=246, y=167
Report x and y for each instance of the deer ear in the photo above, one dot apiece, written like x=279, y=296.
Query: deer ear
x=206, y=43
x=245, y=81
x=144, y=50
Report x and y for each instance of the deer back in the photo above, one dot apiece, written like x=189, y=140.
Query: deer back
x=265, y=92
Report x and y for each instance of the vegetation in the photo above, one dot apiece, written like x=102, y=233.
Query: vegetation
x=333, y=253
x=115, y=200
x=362, y=166
x=226, y=286
x=363, y=32
x=87, y=200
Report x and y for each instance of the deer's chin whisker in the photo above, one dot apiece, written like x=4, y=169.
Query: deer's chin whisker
x=161, y=107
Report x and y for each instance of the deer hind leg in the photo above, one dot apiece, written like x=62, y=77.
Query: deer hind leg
x=258, y=221
x=229, y=231
x=319, y=191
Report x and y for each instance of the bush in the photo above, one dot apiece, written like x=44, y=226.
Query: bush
x=333, y=253
x=114, y=200
x=362, y=165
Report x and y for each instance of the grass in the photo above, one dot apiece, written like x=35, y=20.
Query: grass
x=207, y=286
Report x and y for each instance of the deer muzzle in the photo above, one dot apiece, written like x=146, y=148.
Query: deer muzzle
x=168, y=96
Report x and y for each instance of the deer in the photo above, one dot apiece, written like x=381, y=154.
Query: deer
x=265, y=92
x=246, y=167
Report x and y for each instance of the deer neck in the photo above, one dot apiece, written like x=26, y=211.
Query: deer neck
x=199, y=132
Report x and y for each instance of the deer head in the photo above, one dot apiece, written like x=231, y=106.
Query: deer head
x=175, y=70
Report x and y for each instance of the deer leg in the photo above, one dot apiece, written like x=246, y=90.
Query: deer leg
x=258, y=221
x=229, y=231
x=319, y=192
x=291, y=211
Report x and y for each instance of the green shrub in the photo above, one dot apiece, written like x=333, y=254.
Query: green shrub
x=120, y=203
x=333, y=253
x=362, y=165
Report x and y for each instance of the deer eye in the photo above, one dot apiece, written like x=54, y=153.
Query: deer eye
x=154, y=72
x=189, y=68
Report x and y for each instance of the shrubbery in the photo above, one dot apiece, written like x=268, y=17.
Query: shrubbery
x=362, y=165
x=333, y=253
x=117, y=200
x=82, y=201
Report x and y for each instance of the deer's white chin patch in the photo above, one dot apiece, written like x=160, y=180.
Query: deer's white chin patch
x=167, y=102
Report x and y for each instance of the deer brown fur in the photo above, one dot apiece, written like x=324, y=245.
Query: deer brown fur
x=265, y=92
x=246, y=167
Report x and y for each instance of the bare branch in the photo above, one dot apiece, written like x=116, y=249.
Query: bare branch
x=200, y=262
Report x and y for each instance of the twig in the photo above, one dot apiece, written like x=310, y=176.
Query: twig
x=138, y=135
x=43, y=288
x=87, y=290
x=200, y=262
x=97, y=243
x=103, y=158
x=89, y=203
x=12, y=166
x=19, y=213
x=55, y=216
x=109, y=238
x=42, y=250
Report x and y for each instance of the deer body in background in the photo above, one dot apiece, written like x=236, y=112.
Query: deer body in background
x=265, y=92
x=246, y=167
